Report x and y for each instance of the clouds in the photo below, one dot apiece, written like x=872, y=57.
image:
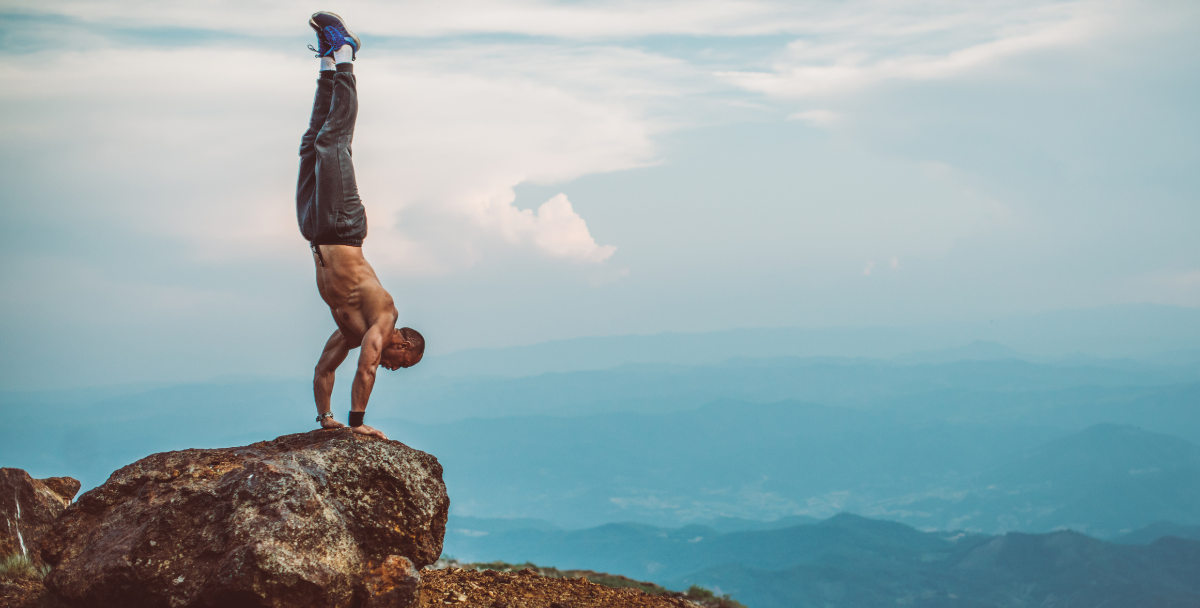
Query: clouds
x=445, y=137
x=204, y=151
x=375, y=17
x=820, y=118
x=943, y=41
x=851, y=27
x=554, y=229
x=539, y=170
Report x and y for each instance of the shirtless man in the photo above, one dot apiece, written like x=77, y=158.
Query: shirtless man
x=334, y=222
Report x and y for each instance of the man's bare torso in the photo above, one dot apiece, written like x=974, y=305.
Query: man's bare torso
x=354, y=294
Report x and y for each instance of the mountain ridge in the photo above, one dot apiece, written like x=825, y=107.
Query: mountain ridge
x=848, y=560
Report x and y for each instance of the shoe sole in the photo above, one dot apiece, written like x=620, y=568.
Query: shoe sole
x=312, y=22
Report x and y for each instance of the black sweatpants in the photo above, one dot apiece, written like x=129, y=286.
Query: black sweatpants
x=327, y=204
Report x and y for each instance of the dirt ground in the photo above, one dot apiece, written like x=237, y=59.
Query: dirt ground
x=457, y=588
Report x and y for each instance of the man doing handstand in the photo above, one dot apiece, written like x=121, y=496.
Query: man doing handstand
x=334, y=222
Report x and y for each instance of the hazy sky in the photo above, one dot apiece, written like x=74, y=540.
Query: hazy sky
x=540, y=170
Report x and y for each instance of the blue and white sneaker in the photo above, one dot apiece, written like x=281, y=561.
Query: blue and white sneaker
x=332, y=35
x=322, y=49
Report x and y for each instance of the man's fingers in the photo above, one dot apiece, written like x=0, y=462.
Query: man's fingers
x=367, y=430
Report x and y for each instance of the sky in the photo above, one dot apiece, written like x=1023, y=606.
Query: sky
x=538, y=170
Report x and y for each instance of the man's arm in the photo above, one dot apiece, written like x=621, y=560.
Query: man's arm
x=336, y=349
x=364, y=378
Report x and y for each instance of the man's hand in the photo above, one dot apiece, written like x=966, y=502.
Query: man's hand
x=366, y=430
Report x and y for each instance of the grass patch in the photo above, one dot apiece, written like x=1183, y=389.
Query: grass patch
x=17, y=566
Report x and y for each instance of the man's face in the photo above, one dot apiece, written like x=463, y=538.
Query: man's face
x=398, y=354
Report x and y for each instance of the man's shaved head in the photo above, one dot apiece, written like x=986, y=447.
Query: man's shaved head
x=405, y=350
x=415, y=338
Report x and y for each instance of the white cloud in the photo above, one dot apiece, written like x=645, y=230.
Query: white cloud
x=859, y=24
x=452, y=133
x=558, y=231
x=818, y=118
x=186, y=146
x=590, y=20
x=532, y=17
x=901, y=42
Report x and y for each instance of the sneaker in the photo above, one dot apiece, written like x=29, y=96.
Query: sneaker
x=332, y=34
x=322, y=49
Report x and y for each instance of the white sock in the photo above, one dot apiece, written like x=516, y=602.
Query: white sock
x=345, y=54
x=327, y=64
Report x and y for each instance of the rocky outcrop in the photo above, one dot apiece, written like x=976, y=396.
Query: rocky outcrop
x=320, y=519
x=28, y=507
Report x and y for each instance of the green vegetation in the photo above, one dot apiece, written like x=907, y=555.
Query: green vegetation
x=695, y=594
x=17, y=566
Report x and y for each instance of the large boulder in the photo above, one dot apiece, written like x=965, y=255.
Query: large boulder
x=28, y=507
x=320, y=519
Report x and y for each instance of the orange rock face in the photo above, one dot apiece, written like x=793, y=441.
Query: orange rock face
x=394, y=583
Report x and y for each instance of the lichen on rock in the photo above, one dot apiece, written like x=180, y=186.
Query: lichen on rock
x=310, y=519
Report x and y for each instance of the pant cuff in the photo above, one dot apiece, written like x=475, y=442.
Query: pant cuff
x=336, y=241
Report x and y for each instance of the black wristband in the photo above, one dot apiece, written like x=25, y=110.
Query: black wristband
x=345, y=67
x=356, y=418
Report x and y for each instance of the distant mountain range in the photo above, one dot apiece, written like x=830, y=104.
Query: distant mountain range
x=1157, y=530
x=850, y=561
x=759, y=462
x=935, y=445
x=984, y=390
x=1162, y=334
x=733, y=451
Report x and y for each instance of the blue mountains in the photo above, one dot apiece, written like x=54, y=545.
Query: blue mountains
x=848, y=560
x=786, y=467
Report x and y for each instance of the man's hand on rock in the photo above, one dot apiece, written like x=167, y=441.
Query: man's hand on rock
x=366, y=430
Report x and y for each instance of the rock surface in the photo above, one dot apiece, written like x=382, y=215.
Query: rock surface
x=23, y=593
x=393, y=583
x=526, y=589
x=28, y=507
x=307, y=520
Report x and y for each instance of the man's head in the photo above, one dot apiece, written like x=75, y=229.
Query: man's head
x=405, y=349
